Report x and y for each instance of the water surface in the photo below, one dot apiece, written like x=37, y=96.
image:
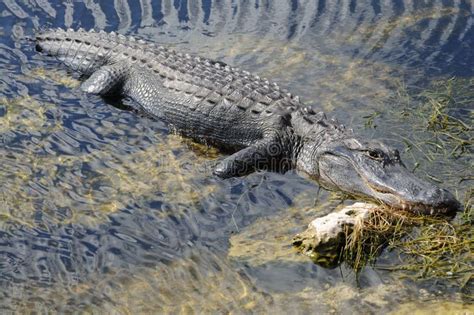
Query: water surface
x=102, y=210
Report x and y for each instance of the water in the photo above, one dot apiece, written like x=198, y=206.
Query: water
x=103, y=211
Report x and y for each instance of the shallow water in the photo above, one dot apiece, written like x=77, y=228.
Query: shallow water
x=102, y=210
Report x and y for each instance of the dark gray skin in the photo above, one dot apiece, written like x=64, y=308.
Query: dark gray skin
x=265, y=127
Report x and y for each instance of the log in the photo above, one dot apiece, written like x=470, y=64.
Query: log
x=326, y=236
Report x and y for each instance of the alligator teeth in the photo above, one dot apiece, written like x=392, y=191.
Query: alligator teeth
x=309, y=110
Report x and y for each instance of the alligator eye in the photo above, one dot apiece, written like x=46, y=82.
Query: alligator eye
x=377, y=155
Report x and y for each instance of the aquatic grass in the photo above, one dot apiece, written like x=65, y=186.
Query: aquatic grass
x=448, y=131
x=366, y=240
x=428, y=248
x=438, y=250
x=436, y=118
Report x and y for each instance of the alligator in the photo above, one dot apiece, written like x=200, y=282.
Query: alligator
x=262, y=126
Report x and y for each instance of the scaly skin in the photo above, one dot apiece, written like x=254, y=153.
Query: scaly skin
x=223, y=106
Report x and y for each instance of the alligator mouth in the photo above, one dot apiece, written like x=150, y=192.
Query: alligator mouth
x=385, y=194
x=380, y=190
x=390, y=198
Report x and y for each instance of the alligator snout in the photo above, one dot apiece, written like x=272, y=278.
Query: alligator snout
x=437, y=201
x=434, y=201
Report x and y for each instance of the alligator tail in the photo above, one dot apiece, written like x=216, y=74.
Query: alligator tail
x=82, y=51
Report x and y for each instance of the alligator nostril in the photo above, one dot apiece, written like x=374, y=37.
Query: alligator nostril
x=39, y=48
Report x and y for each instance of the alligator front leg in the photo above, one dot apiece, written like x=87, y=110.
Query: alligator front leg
x=106, y=80
x=262, y=155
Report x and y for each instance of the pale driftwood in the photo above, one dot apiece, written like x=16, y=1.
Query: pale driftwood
x=325, y=236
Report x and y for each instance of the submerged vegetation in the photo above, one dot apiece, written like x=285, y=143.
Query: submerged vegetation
x=429, y=248
x=438, y=112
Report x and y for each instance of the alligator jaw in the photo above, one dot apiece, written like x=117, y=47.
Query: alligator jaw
x=433, y=201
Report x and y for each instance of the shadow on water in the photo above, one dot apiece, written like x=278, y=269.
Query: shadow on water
x=102, y=209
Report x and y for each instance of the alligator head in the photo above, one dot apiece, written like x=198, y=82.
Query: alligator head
x=340, y=161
